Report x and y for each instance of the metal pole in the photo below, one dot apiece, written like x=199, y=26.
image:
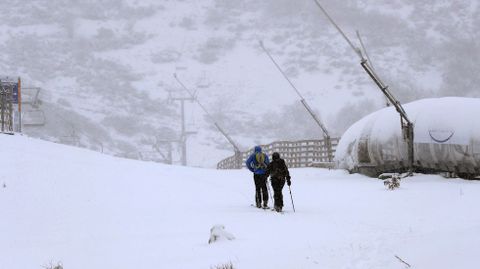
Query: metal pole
x=230, y=140
x=406, y=124
x=270, y=192
x=2, y=105
x=291, y=198
x=387, y=104
x=280, y=69
x=328, y=143
x=184, y=135
x=19, y=105
x=10, y=109
x=170, y=157
x=357, y=50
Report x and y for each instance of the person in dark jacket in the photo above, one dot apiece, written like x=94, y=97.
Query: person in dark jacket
x=278, y=172
x=257, y=163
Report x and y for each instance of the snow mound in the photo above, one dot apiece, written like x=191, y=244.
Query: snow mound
x=218, y=233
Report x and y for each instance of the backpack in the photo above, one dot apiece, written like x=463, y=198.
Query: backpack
x=260, y=158
x=278, y=169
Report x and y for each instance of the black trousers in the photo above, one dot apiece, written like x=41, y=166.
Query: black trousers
x=277, y=185
x=261, y=192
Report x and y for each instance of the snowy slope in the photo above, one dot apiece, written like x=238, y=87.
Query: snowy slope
x=90, y=210
x=106, y=66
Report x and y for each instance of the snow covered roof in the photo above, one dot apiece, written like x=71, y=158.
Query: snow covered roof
x=440, y=121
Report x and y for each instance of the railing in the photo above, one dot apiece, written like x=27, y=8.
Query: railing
x=303, y=153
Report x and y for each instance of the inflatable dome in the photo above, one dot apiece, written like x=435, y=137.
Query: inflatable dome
x=446, y=139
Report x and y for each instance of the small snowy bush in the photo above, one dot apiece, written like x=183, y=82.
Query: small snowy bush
x=224, y=266
x=51, y=265
x=392, y=183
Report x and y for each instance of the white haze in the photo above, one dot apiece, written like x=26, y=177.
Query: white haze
x=106, y=66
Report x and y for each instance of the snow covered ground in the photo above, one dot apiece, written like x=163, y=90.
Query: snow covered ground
x=88, y=210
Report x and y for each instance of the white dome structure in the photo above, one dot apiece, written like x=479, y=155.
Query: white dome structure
x=446, y=138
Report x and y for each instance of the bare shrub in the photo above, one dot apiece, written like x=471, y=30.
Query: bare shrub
x=52, y=265
x=228, y=265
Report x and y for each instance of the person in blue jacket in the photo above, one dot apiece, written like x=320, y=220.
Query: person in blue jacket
x=257, y=163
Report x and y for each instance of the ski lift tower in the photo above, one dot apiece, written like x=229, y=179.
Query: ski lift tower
x=10, y=105
x=184, y=133
x=238, y=153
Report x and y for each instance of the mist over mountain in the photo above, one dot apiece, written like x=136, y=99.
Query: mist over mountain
x=106, y=67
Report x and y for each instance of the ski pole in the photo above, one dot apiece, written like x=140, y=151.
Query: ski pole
x=291, y=198
x=269, y=191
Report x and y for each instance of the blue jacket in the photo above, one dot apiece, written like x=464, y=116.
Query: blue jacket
x=252, y=163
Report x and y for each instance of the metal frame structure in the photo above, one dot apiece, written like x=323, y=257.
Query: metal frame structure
x=10, y=94
x=238, y=158
x=6, y=107
x=184, y=133
x=406, y=123
x=387, y=104
x=326, y=135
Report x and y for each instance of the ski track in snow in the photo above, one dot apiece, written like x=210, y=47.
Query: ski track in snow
x=90, y=210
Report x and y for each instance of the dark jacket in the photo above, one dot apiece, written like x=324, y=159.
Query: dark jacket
x=278, y=169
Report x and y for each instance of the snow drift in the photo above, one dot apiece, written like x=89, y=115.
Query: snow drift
x=88, y=210
x=446, y=138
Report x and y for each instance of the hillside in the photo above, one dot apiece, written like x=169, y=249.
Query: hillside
x=106, y=67
x=89, y=210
